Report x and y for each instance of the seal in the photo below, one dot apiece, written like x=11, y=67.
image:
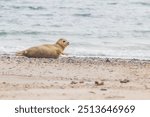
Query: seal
x=46, y=50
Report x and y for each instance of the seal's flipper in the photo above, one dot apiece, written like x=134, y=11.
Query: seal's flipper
x=21, y=53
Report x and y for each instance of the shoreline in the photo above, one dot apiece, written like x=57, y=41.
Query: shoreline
x=94, y=57
x=74, y=78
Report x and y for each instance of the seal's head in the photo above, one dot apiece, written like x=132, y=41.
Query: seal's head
x=63, y=43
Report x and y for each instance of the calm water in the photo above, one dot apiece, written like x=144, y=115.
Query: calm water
x=105, y=28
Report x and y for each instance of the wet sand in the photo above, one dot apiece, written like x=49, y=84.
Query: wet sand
x=74, y=78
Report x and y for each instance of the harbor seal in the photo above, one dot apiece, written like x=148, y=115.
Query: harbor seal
x=46, y=50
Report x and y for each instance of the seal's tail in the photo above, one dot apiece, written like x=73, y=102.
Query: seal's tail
x=21, y=53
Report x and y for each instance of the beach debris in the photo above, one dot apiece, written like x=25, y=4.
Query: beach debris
x=30, y=75
x=92, y=92
x=81, y=82
x=103, y=89
x=73, y=82
x=8, y=57
x=146, y=87
x=72, y=86
x=45, y=62
x=107, y=60
x=99, y=83
x=62, y=87
x=124, y=81
x=110, y=70
x=27, y=86
x=64, y=94
x=3, y=82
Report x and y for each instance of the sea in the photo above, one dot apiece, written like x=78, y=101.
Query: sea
x=94, y=28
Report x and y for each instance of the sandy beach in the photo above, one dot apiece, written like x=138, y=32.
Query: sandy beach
x=74, y=78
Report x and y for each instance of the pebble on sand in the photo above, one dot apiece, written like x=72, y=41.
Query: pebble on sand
x=99, y=83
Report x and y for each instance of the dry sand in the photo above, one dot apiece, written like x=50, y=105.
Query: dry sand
x=73, y=78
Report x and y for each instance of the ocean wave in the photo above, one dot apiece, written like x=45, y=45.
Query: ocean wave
x=142, y=3
x=142, y=31
x=17, y=7
x=29, y=7
x=4, y=33
x=83, y=15
x=36, y=8
x=1, y=6
x=55, y=25
x=112, y=3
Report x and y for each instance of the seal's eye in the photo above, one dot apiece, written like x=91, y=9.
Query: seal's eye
x=64, y=41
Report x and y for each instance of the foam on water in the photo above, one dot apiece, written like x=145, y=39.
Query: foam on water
x=103, y=28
